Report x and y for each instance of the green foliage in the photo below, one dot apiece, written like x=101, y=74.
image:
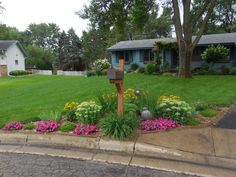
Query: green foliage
x=177, y=110
x=50, y=115
x=67, y=127
x=102, y=64
x=88, y=112
x=233, y=71
x=193, y=122
x=108, y=102
x=134, y=66
x=215, y=54
x=209, y=112
x=141, y=70
x=200, y=106
x=29, y=126
x=167, y=74
x=119, y=127
x=9, y=33
x=224, y=70
x=151, y=68
x=19, y=73
x=130, y=107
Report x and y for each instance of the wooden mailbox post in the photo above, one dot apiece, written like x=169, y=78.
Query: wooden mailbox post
x=116, y=77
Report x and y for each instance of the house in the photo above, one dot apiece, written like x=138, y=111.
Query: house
x=12, y=57
x=142, y=51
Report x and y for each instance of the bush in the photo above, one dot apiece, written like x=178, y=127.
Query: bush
x=84, y=129
x=14, y=125
x=176, y=110
x=88, y=112
x=91, y=73
x=160, y=124
x=101, y=64
x=209, y=112
x=69, y=111
x=47, y=126
x=215, y=54
x=53, y=115
x=134, y=66
x=29, y=126
x=141, y=70
x=104, y=71
x=19, y=73
x=67, y=127
x=119, y=127
x=232, y=71
x=151, y=68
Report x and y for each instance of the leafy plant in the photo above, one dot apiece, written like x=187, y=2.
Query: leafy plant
x=19, y=73
x=129, y=95
x=134, y=66
x=141, y=70
x=47, y=126
x=119, y=127
x=69, y=111
x=108, y=102
x=174, y=109
x=88, y=112
x=151, y=68
x=209, y=112
x=159, y=124
x=29, y=126
x=14, y=125
x=130, y=107
x=52, y=115
x=101, y=64
x=85, y=129
x=67, y=127
x=199, y=106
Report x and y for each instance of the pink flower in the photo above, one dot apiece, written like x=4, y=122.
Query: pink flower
x=47, y=126
x=14, y=125
x=85, y=129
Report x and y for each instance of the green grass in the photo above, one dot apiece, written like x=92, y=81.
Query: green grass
x=27, y=97
x=67, y=127
x=209, y=112
x=193, y=122
x=29, y=126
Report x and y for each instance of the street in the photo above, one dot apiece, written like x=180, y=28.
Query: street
x=27, y=165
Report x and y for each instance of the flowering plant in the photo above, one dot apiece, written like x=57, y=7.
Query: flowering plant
x=101, y=64
x=174, y=109
x=47, y=126
x=130, y=95
x=14, y=125
x=71, y=105
x=69, y=110
x=85, y=129
x=170, y=97
x=160, y=124
x=88, y=112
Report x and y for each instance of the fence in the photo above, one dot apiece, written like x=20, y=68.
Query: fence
x=71, y=73
x=42, y=72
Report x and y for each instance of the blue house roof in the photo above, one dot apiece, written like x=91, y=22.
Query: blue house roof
x=225, y=38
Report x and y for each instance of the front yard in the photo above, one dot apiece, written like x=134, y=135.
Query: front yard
x=27, y=97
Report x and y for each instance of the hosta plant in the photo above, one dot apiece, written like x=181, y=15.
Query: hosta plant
x=14, y=125
x=160, y=124
x=85, y=129
x=88, y=112
x=176, y=110
x=47, y=126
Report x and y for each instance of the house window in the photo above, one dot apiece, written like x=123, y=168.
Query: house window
x=119, y=55
x=127, y=55
x=16, y=62
x=146, y=56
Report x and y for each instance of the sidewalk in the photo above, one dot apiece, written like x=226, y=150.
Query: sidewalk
x=208, y=147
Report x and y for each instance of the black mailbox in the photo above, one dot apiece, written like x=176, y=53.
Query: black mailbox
x=115, y=74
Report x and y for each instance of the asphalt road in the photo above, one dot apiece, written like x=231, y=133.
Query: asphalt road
x=26, y=165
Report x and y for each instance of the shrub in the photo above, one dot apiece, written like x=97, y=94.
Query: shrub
x=47, y=126
x=209, y=112
x=29, y=126
x=151, y=68
x=14, y=125
x=141, y=70
x=101, y=64
x=177, y=110
x=88, y=112
x=215, y=54
x=160, y=124
x=119, y=127
x=91, y=73
x=53, y=115
x=69, y=111
x=134, y=66
x=108, y=102
x=19, y=73
x=67, y=127
x=104, y=71
x=232, y=71
x=169, y=97
x=84, y=129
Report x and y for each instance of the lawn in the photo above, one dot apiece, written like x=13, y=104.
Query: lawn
x=27, y=97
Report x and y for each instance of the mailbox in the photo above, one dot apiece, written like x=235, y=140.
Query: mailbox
x=115, y=74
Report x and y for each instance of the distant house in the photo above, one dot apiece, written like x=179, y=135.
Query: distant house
x=141, y=51
x=12, y=57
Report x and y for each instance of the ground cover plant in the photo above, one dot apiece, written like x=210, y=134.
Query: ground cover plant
x=47, y=126
x=25, y=98
x=67, y=127
x=29, y=126
x=85, y=129
x=160, y=124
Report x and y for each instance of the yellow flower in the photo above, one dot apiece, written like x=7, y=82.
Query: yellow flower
x=170, y=97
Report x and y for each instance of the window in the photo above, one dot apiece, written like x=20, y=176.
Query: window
x=16, y=62
x=127, y=55
x=146, y=56
x=119, y=55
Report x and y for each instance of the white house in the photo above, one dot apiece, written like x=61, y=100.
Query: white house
x=12, y=57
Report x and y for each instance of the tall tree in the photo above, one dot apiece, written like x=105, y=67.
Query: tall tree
x=9, y=33
x=184, y=30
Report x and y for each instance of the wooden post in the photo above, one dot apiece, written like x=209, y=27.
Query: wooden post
x=120, y=94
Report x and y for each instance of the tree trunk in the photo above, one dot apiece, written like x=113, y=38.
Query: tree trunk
x=185, y=58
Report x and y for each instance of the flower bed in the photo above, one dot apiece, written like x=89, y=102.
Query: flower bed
x=85, y=129
x=14, y=125
x=47, y=126
x=160, y=124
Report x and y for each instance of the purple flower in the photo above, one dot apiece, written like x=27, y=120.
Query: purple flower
x=85, y=129
x=14, y=125
x=160, y=124
x=47, y=126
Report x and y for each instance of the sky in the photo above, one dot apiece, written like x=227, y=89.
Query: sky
x=21, y=13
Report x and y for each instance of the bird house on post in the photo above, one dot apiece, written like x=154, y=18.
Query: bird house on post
x=116, y=76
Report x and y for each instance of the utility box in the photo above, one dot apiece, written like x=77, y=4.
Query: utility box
x=115, y=74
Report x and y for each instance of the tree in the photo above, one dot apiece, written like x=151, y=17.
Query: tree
x=184, y=31
x=70, y=51
x=9, y=33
